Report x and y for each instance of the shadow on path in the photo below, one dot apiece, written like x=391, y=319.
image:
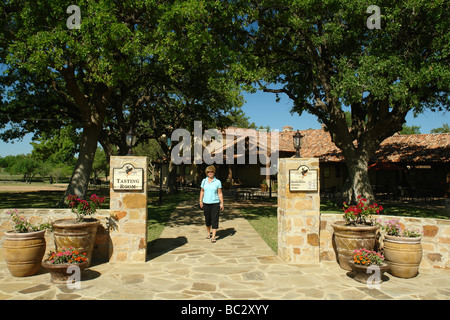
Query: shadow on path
x=225, y=233
x=162, y=246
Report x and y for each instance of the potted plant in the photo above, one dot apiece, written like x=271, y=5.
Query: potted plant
x=263, y=186
x=79, y=233
x=24, y=246
x=58, y=263
x=402, y=249
x=368, y=266
x=357, y=231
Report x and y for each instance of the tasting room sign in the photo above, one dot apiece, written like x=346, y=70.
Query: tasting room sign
x=128, y=178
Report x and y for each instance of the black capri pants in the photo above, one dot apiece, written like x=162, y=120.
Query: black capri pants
x=211, y=212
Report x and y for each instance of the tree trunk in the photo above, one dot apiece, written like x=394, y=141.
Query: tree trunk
x=172, y=187
x=358, y=181
x=80, y=178
x=92, y=111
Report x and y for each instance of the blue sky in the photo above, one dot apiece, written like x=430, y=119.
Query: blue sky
x=263, y=110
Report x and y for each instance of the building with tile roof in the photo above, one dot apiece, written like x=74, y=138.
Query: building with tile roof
x=404, y=164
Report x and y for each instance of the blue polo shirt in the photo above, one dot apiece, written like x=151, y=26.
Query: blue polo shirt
x=210, y=188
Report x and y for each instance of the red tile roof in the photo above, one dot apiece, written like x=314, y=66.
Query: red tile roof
x=415, y=148
x=317, y=143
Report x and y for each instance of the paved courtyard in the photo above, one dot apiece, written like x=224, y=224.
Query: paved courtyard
x=183, y=265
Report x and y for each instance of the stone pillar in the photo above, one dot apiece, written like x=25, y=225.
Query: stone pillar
x=128, y=207
x=298, y=211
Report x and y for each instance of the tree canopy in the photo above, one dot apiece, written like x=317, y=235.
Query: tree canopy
x=130, y=63
x=159, y=65
x=322, y=55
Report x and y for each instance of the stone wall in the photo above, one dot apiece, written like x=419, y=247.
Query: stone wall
x=102, y=241
x=435, y=240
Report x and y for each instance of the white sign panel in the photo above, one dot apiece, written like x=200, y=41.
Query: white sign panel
x=303, y=179
x=128, y=178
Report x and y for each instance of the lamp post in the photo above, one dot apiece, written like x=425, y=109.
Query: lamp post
x=130, y=139
x=297, y=139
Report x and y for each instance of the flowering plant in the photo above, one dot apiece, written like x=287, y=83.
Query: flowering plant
x=66, y=255
x=83, y=207
x=367, y=258
x=359, y=213
x=22, y=225
x=394, y=228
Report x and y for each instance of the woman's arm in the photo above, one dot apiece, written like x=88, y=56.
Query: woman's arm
x=220, y=194
x=202, y=191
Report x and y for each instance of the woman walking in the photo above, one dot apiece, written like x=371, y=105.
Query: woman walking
x=211, y=201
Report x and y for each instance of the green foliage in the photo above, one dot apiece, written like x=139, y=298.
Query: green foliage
x=320, y=48
x=59, y=146
x=153, y=66
x=410, y=129
x=324, y=58
x=22, y=225
x=444, y=129
x=100, y=164
x=55, y=171
x=8, y=161
x=26, y=166
x=151, y=149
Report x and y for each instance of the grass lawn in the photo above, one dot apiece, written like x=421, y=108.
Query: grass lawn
x=392, y=209
x=39, y=199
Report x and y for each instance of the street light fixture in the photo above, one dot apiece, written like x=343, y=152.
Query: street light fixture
x=297, y=139
x=130, y=139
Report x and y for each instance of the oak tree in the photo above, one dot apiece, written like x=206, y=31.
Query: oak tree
x=327, y=58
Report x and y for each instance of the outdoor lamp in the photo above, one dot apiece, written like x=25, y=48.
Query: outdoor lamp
x=130, y=139
x=297, y=139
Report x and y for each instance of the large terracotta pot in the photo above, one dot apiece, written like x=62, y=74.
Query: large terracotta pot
x=78, y=235
x=368, y=275
x=59, y=273
x=348, y=239
x=24, y=252
x=403, y=254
